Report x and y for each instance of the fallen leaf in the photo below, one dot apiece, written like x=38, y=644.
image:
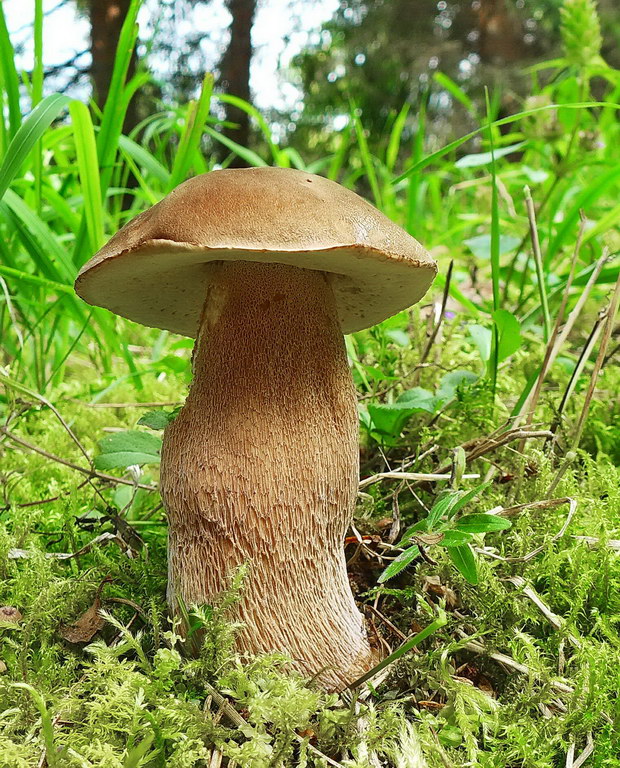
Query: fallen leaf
x=86, y=627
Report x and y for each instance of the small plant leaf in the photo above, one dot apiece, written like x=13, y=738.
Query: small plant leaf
x=484, y=158
x=157, y=419
x=482, y=523
x=509, y=333
x=455, y=538
x=465, y=498
x=419, y=526
x=481, y=336
x=465, y=562
x=123, y=449
x=441, y=507
x=390, y=418
x=402, y=561
x=450, y=383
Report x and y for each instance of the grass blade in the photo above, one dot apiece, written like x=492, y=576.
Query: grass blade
x=439, y=622
x=495, y=266
x=9, y=75
x=429, y=159
x=366, y=156
x=46, y=723
x=88, y=172
x=27, y=136
x=190, y=140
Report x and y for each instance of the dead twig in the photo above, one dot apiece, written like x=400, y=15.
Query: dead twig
x=102, y=539
x=507, y=661
x=84, y=470
x=607, y=331
x=538, y=550
x=420, y=477
x=529, y=406
x=557, y=622
x=570, y=755
x=593, y=542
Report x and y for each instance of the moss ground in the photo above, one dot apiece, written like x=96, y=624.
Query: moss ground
x=125, y=690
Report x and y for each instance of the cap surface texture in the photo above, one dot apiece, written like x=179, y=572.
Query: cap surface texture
x=153, y=270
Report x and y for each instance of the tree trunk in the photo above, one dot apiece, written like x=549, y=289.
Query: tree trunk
x=106, y=21
x=501, y=34
x=235, y=70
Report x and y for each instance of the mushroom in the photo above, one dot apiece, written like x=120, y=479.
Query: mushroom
x=266, y=268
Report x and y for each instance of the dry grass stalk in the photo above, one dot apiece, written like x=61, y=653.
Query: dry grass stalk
x=607, y=332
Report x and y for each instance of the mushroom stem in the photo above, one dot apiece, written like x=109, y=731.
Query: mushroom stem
x=261, y=467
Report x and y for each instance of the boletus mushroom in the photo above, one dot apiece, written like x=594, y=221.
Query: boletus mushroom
x=266, y=268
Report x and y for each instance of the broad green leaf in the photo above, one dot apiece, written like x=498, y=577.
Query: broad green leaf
x=123, y=449
x=455, y=538
x=390, y=418
x=32, y=129
x=465, y=498
x=480, y=245
x=88, y=170
x=402, y=561
x=418, y=398
x=508, y=332
x=421, y=525
x=441, y=507
x=482, y=523
x=484, y=158
x=465, y=562
x=482, y=338
x=450, y=383
x=156, y=419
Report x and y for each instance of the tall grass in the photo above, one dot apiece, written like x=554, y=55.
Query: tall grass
x=65, y=166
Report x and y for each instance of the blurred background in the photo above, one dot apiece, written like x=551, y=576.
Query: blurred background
x=303, y=63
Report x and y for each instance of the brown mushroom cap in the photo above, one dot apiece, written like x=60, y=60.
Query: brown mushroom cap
x=153, y=270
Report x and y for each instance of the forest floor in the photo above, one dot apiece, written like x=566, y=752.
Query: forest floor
x=524, y=673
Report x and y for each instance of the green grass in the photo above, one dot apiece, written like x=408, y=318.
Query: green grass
x=133, y=694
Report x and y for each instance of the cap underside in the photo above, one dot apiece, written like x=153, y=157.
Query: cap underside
x=163, y=284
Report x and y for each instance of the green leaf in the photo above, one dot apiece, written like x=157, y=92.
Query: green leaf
x=190, y=140
x=88, y=170
x=123, y=449
x=424, y=162
x=441, y=507
x=465, y=498
x=484, y=158
x=10, y=78
x=480, y=245
x=390, y=418
x=482, y=523
x=465, y=562
x=482, y=337
x=455, y=538
x=450, y=383
x=157, y=419
x=420, y=526
x=509, y=333
x=32, y=129
x=402, y=561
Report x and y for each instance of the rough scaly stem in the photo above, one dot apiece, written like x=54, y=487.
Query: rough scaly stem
x=261, y=467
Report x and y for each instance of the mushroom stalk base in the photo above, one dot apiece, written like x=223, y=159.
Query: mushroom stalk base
x=261, y=467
